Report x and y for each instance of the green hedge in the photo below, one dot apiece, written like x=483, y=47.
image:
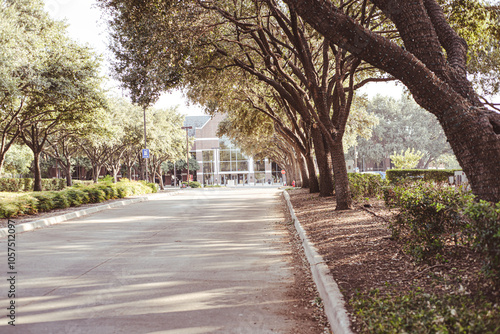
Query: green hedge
x=432, y=216
x=436, y=175
x=365, y=185
x=26, y=184
x=417, y=311
x=74, y=196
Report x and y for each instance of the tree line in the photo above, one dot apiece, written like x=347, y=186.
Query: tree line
x=290, y=70
x=52, y=102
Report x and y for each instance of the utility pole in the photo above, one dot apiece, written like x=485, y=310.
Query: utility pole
x=187, y=150
x=145, y=144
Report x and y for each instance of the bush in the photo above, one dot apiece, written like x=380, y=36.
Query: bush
x=366, y=185
x=484, y=231
x=21, y=205
x=77, y=195
x=153, y=186
x=95, y=194
x=26, y=184
x=429, y=216
x=109, y=190
x=419, y=312
x=11, y=184
x=396, y=176
x=45, y=201
x=195, y=184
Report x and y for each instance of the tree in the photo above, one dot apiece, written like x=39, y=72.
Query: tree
x=63, y=147
x=407, y=159
x=18, y=160
x=48, y=81
x=402, y=124
x=437, y=81
x=23, y=27
x=167, y=141
x=273, y=45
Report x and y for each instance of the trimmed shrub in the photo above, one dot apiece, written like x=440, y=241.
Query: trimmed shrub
x=74, y=196
x=484, y=230
x=11, y=184
x=26, y=184
x=366, y=185
x=395, y=176
x=45, y=201
x=420, y=312
x=60, y=200
x=82, y=183
x=53, y=184
x=95, y=195
x=429, y=216
x=195, y=184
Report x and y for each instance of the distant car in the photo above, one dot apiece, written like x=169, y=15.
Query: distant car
x=382, y=174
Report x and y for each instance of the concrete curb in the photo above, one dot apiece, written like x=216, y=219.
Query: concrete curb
x=30, y=226
x=333, y=301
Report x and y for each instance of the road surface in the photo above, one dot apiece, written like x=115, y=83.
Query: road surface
x=203, y=261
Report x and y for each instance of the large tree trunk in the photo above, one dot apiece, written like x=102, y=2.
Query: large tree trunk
x=96, y=171
x=115, y=169
x=37, y=184
x=440, y=87
x=304, y=177
x=325, y=172
x=69, y=180
x=313, y=179
x=342, y=191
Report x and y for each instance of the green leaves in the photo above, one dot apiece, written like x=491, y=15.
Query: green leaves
x=407, y=160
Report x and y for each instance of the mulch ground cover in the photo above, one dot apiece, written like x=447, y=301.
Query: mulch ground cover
x=363, y=257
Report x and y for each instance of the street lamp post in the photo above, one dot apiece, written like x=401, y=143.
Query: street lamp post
x=187, y=150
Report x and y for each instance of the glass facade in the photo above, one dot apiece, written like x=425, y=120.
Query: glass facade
x=227, y=165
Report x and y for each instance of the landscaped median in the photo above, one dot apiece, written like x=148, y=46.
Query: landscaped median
x=427, y=262
x=14, y=204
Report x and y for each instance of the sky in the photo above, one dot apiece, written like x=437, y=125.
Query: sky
x=87, y=26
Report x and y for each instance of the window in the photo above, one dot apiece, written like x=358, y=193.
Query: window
x=207, y=167
x=242, y=165
x=208, y=155
x=259, y=166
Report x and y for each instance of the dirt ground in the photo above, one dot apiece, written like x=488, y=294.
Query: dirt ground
x=361, y=254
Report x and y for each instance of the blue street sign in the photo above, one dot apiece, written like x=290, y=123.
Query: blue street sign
x=145, y=153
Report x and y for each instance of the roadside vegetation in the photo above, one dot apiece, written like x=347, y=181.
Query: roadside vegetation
x=28, y=203
x=448, y=238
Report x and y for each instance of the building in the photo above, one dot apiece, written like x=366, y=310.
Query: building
x=221, y=162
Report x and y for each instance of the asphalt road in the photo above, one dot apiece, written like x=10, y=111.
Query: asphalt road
x=203, y=261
